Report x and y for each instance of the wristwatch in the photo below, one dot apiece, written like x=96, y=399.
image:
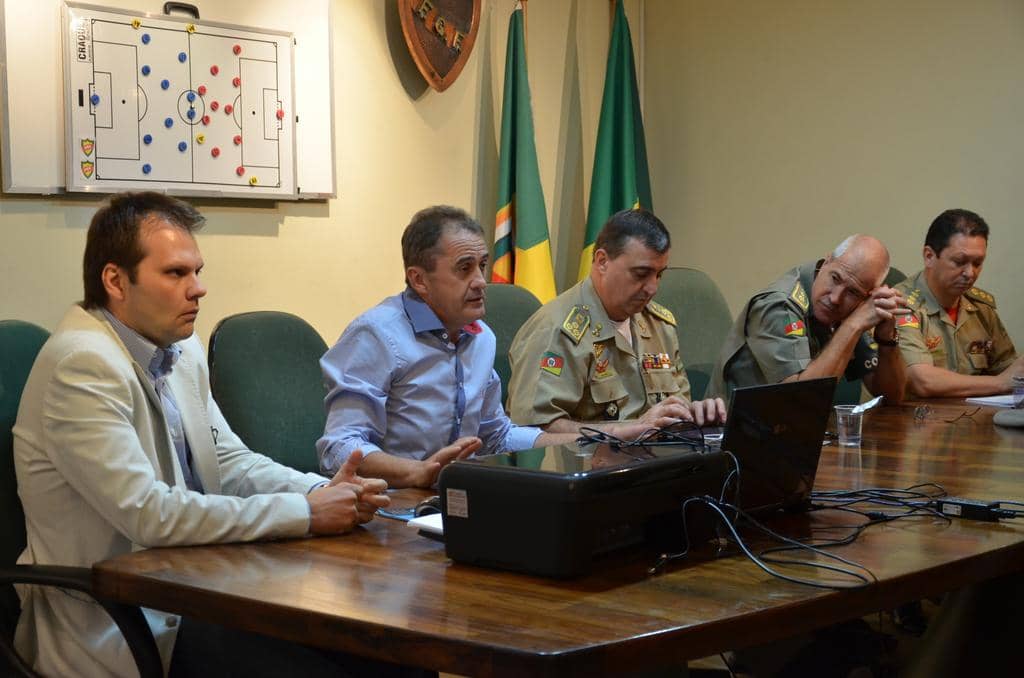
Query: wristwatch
x=895, y=341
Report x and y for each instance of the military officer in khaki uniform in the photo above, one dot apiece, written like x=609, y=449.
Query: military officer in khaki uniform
x=954, y=344
x=826, y=318
x=602, y=350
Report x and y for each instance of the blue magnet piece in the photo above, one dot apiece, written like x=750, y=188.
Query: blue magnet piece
x=164, y=84
x=191, y=96
x=145, y=38
x=148, y=139
x=168, y=123
x=182, y=57
x=145, y=69
x=94, y=99
x=147, y=168
x=191, y=113
x=182, y=146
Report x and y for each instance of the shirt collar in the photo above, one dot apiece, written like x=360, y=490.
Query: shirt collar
x=423, y=319
x=421, y=316
x=158, y=361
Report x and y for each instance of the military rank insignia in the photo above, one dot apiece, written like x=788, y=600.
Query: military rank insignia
x=576, y=323
x=800, y=296
x=933, y=342
x=659, y=311
x=552, y=363
x=908, y=320
x=795, y=329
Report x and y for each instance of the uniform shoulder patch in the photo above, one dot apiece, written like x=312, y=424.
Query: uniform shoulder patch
x=659, y=311
x=800, y=296
x=981, y=296
x=909, y=320
x=795, y=329
x=576, y=323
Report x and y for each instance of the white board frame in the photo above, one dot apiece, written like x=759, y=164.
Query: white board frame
x=32, y=83
x=74, y=12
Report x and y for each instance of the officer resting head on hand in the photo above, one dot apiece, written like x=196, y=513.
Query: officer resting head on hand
x=954, y=343
x=603, y=350
x=824, y=318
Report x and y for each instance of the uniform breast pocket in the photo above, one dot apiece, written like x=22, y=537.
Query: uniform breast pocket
x=660, y=383
x=979, y=361
x=608, y=395
x=607, y=390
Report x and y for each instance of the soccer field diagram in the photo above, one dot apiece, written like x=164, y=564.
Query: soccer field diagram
x=162, y=103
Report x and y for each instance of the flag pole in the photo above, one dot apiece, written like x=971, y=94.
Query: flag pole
x=526, y=25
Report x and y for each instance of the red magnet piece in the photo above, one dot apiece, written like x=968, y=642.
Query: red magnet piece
x=215, y=151
x=237, y=49
x=280, y=114
x=236, y=81
x=214, y=70
x=202, y=90
x=238, y=140
x=206, y=120
x=239, y=170
x=228, y=108
x=214, y=105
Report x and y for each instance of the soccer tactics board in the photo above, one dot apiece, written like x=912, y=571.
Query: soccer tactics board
x=168, y=103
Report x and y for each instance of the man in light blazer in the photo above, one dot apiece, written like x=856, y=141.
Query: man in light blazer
x=119, y=445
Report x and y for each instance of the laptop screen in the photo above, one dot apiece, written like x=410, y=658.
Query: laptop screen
x=776, y=433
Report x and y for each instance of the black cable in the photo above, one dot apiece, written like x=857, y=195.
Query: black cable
x=762, y=564
x=728, y=666
x=678, y=433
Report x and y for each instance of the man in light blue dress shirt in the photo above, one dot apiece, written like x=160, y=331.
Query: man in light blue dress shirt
x=411, y=382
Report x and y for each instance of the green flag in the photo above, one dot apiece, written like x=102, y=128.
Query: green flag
x=620, y=180
x=522, y=249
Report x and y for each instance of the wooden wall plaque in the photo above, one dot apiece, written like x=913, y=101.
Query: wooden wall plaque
x=440, y=35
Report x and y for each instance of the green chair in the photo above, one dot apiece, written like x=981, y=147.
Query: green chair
x=265, y=376
x=508, y=307
x=703, y=321
x=895, y=277
x=19, y=344
x=850, y=392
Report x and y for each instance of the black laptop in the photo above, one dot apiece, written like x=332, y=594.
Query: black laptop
x=776, y=434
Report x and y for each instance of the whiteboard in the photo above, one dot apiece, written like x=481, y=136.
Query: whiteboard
x=33, y=101
x=176, y=103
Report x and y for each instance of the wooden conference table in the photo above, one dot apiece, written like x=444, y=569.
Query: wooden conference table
x=386, y=593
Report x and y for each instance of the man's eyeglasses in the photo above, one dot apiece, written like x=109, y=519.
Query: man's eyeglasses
x=922, y=412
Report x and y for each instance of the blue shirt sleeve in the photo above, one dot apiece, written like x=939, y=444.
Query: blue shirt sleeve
x=357, y=374
x=497, y=431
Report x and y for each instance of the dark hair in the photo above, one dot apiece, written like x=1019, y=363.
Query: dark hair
x=113, y=236
x=639, y=224
x=421, y=236
x=951, y=222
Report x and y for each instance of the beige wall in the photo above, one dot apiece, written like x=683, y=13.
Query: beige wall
x=775, y=128
x=400, y=147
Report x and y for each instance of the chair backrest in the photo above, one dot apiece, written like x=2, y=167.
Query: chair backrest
x=265, y=376
x=19, y=344
x=508, y=307
x=895, y=277
x=703, y=321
